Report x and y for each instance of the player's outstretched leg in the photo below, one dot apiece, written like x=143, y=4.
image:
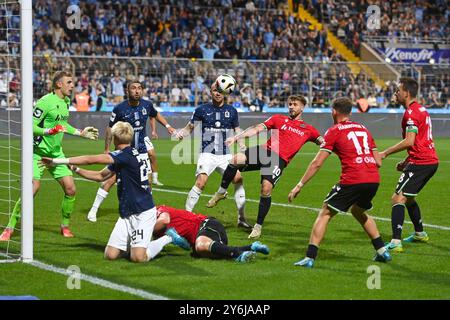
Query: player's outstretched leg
x=370, y=227
x=15, y=216
x=317, y=234
x=239, y=197
x=177, y=239
x=102, y=194
x=397, y=220
x=227, y=177
x=196, y=191
x=419, y=234
x=67, y=205
x=265, y=202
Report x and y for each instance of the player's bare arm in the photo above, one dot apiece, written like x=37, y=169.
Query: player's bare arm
x=153, y=128
x=240, y=140
x=162, y=222
x=377, y=157
x=247, y=133
x=184, y=132
x=98, y=176
x=81, y=160
x=108, y=139
x=160, y=118
x=313, y=168
x=406, y=143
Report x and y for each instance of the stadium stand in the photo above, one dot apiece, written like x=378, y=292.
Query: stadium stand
x=176, y=48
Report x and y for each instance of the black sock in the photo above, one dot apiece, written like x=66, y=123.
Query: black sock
x=225, y=251
x=377, y=243
x=312, y=251
x=397, y=219
x=264, y=206
x=245, y=248
x=414, y=214
x=228, y=176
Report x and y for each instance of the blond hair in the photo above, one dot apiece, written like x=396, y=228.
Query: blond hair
x=122, y=133
x=58, y=76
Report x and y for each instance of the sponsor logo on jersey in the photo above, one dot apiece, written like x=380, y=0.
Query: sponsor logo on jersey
x=294, y=130
x=37, y=113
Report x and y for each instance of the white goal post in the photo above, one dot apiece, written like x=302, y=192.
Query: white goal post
x=26, y=42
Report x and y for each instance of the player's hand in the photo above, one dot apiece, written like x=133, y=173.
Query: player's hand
x=171, y=130
x=57, y=129
x=230, y=141
x=179, y=134
x=154, y=135
x=90, y=133
x=294, y=193
x=48, y=162
x=383, y=155
x=401, y=165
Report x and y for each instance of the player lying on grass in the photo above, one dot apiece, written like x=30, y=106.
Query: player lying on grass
x=50, y=122
x=206, y=235
x=289, y=134
x=358, y=184
x=137, y=219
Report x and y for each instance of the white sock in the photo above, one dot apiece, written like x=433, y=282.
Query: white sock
x=192, y=198
x=101, y=195
x=157, y=245
x=239, y=197
x=222, y=190
x=154, y=176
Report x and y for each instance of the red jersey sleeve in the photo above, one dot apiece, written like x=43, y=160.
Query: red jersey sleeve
x=329, y=140
x=314, y=134
x=271, y=123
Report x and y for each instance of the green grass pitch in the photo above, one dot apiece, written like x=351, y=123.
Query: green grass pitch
x=422, y=272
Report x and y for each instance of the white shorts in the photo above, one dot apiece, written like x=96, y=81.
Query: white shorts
x=208, y=162
x=135, y=231
x=148, y=144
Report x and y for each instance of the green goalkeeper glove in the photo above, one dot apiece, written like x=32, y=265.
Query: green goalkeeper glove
x=89, y=133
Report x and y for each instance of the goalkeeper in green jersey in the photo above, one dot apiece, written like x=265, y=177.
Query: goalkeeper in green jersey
x=50, y=117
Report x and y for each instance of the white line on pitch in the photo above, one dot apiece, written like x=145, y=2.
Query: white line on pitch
x=100, y=282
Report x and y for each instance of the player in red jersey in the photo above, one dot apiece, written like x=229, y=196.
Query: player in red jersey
x=288, y=135
x=418, y=167
x=206, y=235
x=358, y=183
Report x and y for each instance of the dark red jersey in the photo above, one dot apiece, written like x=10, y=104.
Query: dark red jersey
x=417, y=119
x=186, y=223
x=288, y=136
x=353, y=144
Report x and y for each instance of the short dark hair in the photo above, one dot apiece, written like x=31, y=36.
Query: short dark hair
x=58, y=76
x=410, y=85
x=129, y=83
x=342, y=105
x=298, y=97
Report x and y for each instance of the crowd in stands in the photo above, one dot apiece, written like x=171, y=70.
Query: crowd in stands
x=248, y=32
x=411, y=20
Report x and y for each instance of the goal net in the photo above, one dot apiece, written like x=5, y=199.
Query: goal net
x=16, y=102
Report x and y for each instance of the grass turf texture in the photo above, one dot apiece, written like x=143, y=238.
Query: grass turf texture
x=422, y=272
